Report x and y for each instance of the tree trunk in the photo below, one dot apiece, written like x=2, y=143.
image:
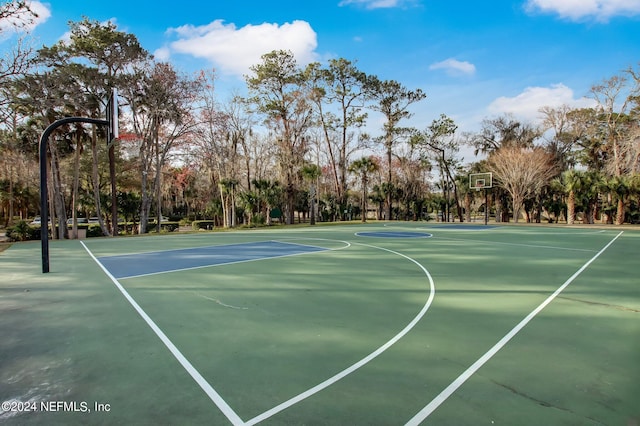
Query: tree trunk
x=467, y=206
x=74, y=195
x=114, y=193
x=96, y=181
x=620, y=212
x=571, y=208
x=58, y=198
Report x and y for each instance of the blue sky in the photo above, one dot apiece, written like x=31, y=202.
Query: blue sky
x=474, y=59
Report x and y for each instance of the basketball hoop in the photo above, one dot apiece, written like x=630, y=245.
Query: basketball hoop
x=484, y=181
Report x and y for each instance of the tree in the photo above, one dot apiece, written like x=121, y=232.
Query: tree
x=501, y=132
x=564, y=135
x=277, y=89
x=392, y=100
x=338, y=94
x=269, y=195
x=364, y=167
x=617, y=123
x=18, y=61
x=521, y=172
x=161, y=106
x=438, y=141
x=219, y=136
x=110, y=53
x=311, y=173
x=97, y=58
x=569, y=183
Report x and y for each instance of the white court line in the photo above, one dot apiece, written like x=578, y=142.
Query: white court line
x=449, y=390
x=206, y=387
x=330, y=381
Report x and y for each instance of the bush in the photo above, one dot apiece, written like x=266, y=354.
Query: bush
x=164, y=226
x=202, y=224
x=22, y=232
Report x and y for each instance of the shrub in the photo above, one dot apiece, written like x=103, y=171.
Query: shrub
x=22, y=232
x=202, y=224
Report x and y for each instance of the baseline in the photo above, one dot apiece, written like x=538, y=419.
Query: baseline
x=449, y=390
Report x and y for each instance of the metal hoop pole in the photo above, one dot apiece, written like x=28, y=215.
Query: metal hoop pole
x=44, y=209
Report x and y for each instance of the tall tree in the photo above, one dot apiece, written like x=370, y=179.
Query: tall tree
x=161, y=105
x=310, y=173
x=277, y=88
x=338, y=95
x=101, y=57
x=438, y=141
x=392, y=100
x=616, y=98
x=221, y=132
x=503, y=131
x=19, y=59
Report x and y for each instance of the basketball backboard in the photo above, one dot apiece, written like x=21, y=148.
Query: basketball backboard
x=112, y=116
x=480, y=181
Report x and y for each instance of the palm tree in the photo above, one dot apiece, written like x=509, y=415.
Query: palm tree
x=569, y=183
x=269, y=194
x=621, y=186
x=364, y=167
x=310, y=173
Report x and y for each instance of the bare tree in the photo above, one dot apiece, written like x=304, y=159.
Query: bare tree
x=617, y=103
x=522, y=172
x=161, y=106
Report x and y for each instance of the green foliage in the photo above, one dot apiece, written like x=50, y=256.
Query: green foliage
x=22, y=232
x=196, y=225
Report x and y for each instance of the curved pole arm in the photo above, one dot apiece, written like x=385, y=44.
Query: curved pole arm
x=44, y=209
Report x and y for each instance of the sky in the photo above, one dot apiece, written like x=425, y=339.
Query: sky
x=474, y=59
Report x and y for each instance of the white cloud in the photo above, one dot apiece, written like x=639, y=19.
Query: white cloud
x=527, y=104
x=454, y=67
x=25, y=21
x=233, y=50
x=162, y=54
x=600, y=10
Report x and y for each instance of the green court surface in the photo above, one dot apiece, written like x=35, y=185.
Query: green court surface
x=373, y=324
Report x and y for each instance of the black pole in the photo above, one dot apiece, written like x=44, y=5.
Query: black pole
x=486, y=207
x=44, y=209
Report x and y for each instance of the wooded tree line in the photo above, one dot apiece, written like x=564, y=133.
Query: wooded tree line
x=294, y=146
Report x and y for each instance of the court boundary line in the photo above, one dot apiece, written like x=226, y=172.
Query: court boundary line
x=193, y=372
x=462, y=378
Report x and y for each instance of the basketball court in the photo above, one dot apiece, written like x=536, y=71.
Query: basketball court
x=374, y=324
